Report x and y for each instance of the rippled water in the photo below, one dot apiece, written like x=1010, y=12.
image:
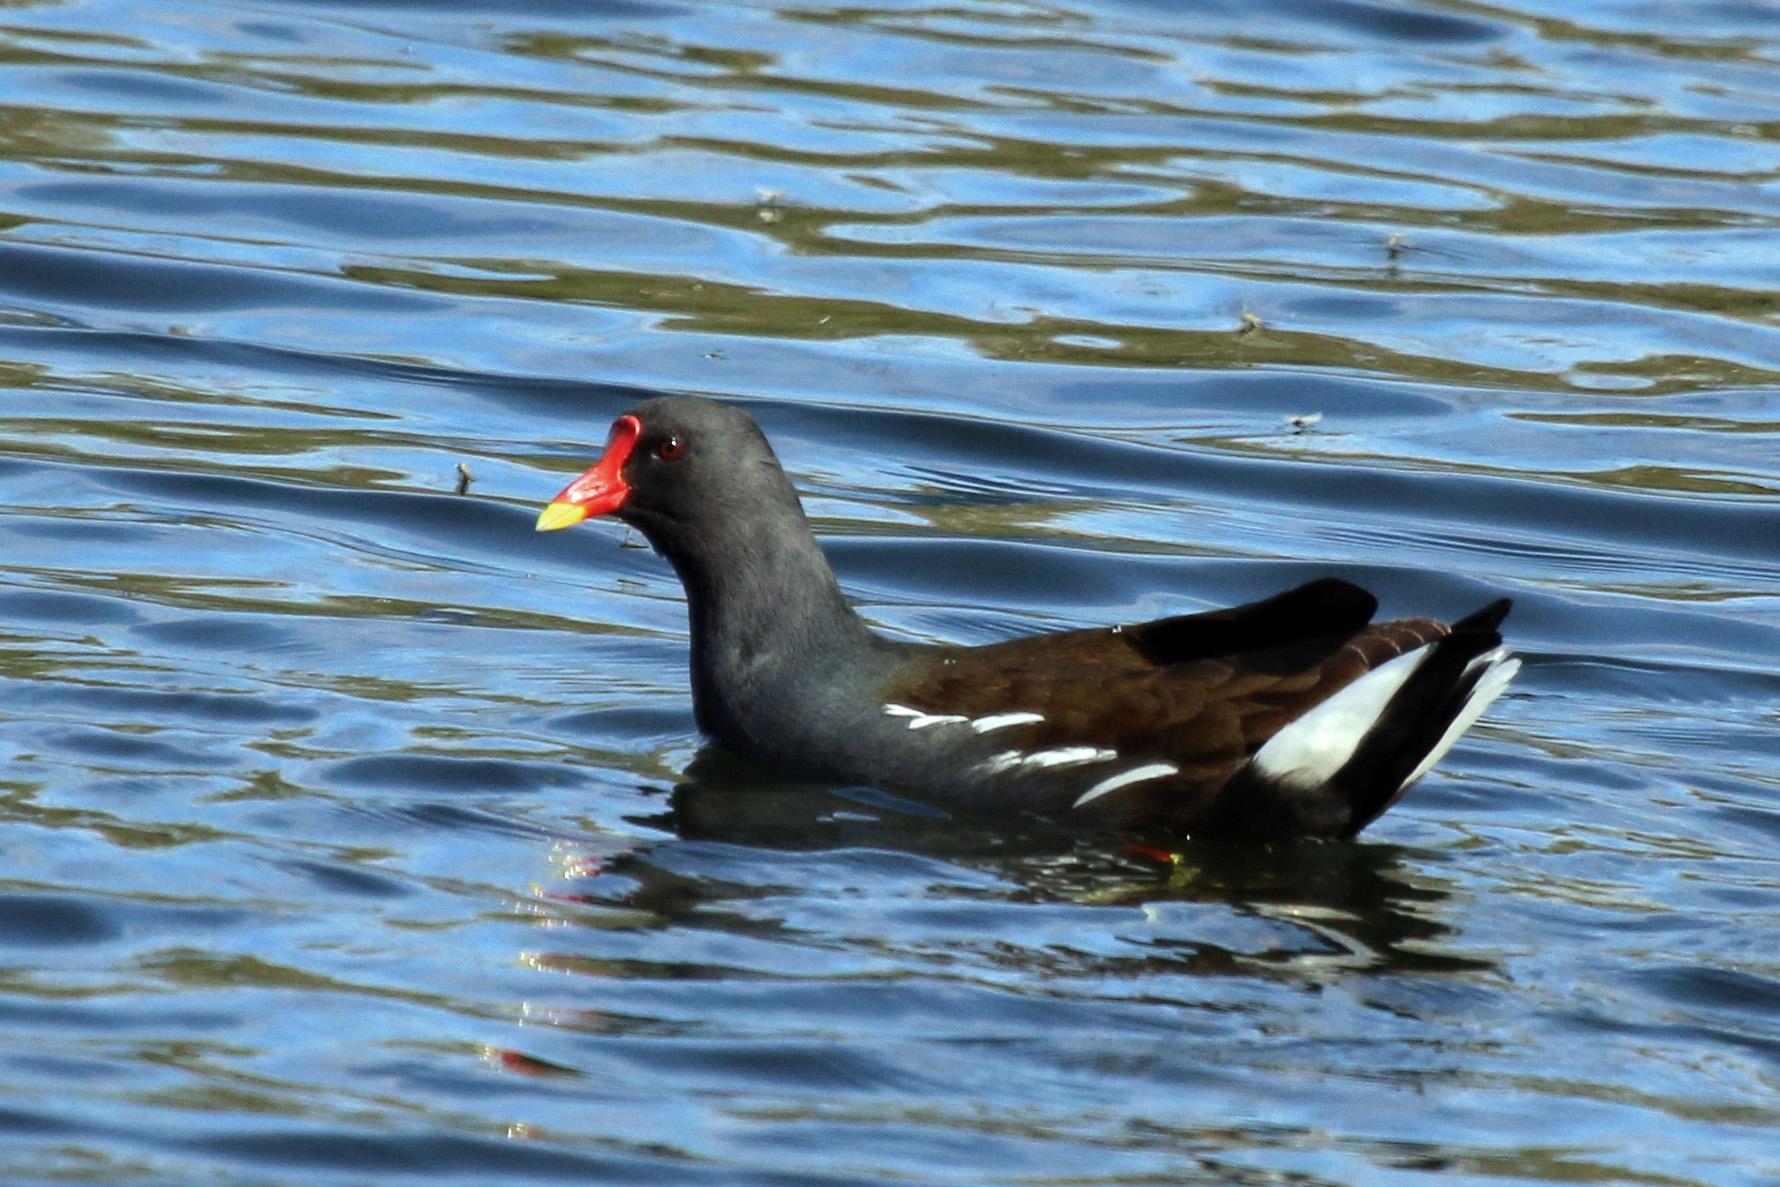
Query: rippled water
x=352, y=831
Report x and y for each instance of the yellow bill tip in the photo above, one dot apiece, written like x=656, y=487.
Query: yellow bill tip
x=560, y=515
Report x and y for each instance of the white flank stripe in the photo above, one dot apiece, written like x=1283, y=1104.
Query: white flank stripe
x=1068, y=756
x=983, y=725
x=1489, y=686
x=1062, y=756
x=919, y=720
x=995, y=764
x=1153, y=770
x=1311, y=749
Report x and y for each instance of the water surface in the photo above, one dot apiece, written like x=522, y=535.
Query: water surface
x=351, y=831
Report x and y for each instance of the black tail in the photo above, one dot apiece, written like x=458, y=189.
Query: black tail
x=1417, y=718
x=1408, y=732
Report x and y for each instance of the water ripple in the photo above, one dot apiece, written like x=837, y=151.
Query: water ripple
x=351, y=827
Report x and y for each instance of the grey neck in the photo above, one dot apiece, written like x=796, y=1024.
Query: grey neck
x=773, y=638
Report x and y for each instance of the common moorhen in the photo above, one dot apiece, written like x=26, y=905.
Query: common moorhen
x=1296, y=716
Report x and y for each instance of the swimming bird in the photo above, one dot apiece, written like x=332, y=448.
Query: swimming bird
x=1296, y=716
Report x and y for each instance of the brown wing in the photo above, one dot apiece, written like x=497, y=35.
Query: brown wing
x=1172, y=689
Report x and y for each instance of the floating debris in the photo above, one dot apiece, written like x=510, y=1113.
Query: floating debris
x=1307, y=421
x=1250, y=323
x=464, y=478
x=768, y=203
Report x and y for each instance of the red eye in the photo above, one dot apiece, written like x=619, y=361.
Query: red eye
x=670, y=450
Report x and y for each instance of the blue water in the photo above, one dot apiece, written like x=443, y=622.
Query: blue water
x=351, y=831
